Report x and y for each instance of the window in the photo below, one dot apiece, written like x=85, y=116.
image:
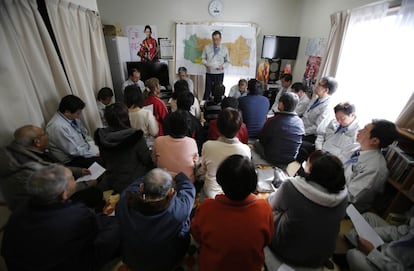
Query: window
x=375, y=70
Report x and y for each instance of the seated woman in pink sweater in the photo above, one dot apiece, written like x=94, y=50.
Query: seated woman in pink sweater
x=176, y=152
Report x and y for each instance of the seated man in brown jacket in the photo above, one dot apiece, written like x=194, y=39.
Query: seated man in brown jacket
x=26, y=154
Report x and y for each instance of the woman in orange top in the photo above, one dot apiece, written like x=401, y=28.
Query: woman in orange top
x=233, y=228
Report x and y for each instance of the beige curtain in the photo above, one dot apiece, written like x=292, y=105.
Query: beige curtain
x=32, y=80
x=80, y=39
x=406, y=118
x=339, y=24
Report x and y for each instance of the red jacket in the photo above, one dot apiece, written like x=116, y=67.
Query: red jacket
x=159, y=110
x=213, y=132
x=232, y=234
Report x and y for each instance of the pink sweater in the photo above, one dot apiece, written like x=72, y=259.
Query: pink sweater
x=175, y=154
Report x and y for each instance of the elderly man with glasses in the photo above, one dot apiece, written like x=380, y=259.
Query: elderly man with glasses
x=317, y=116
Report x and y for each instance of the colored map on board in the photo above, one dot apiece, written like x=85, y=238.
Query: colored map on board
x=239, y=50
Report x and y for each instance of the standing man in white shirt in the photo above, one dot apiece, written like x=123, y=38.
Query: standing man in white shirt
x=134, y=78
x=366, y=171
x=69, y=140
x=215, y=58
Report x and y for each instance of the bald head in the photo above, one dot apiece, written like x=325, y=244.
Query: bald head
x=31, y=136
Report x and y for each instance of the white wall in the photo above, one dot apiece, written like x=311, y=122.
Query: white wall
x=304, y=18
x=272, y=16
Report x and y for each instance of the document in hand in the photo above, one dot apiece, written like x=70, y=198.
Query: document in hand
x=96, y=171
x=362, y=227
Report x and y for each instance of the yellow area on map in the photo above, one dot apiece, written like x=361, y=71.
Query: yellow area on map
x=238, y=50
x=201, y=43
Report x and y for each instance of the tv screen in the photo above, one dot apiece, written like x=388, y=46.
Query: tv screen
x=287, y=47
x=283, y=47
x=148, y=70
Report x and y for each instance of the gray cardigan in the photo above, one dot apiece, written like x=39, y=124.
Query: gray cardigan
x=307, y=220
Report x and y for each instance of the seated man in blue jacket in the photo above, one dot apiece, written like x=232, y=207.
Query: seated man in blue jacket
x=281, y=136
x=154, y=216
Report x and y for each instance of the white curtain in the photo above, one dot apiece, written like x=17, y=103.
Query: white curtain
x=375, y=69
x=81, y=43
x=32, y=80
x=339, y=25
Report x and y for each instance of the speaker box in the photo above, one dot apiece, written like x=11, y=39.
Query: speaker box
x=274, y=71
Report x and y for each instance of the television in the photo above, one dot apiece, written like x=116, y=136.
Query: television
x=287, y=47
x=151, y=69
x=280, y=47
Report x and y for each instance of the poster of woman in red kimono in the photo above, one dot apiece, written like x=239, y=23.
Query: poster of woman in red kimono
x=148, y=51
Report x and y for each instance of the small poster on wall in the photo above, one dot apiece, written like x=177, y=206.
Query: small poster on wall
x=315, y=47
x=314, y=50
x=136, y=36
x=166, y=48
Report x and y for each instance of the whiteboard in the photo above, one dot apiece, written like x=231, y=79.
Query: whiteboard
x=239, y=38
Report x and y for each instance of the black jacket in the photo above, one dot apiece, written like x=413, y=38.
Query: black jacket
x=125, y=154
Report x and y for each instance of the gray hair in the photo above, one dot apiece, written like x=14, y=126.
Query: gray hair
x=25, y=135
x=157, y=183
x=48, y=183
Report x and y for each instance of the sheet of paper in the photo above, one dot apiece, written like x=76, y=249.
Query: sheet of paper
x=166, y=48
x=362, y=227
x=265, y=187
x=265, y=174
x=96, y=171
x=292, y=168
x=285, y=267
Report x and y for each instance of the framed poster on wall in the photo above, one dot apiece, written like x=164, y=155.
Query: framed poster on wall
x=136, y=35
x=166, y=48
